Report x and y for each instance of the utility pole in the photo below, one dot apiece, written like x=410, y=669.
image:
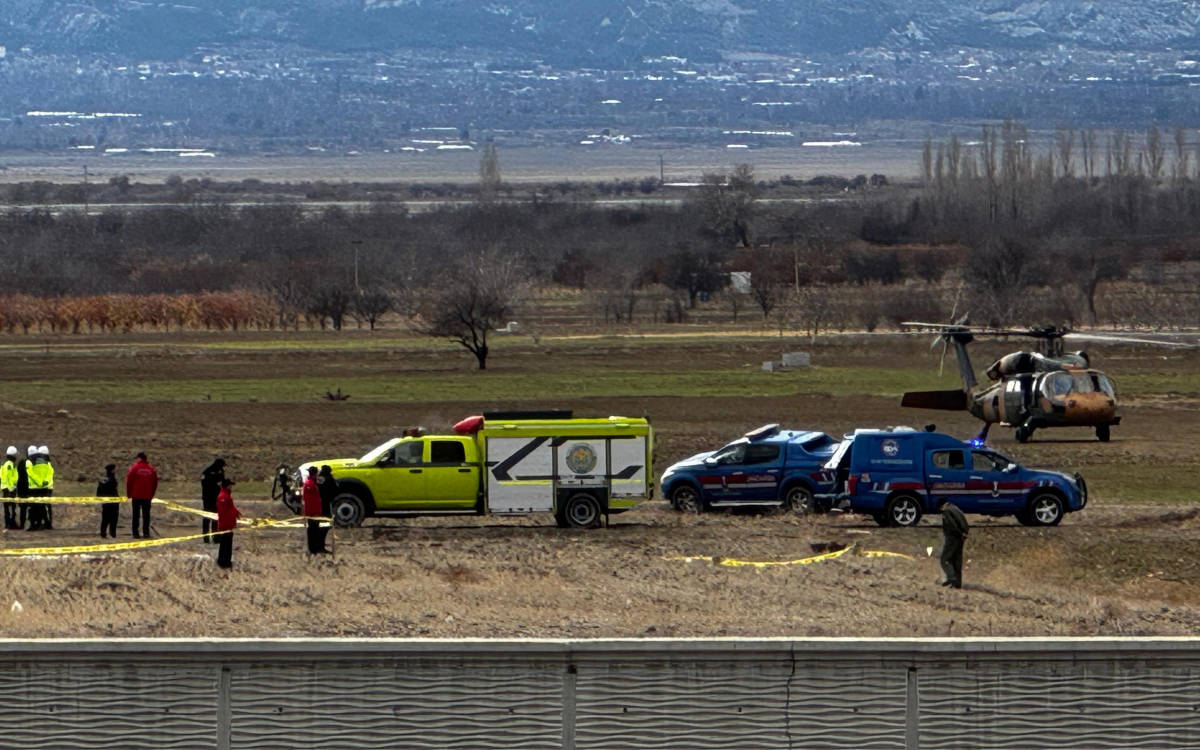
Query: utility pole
x=356, y=243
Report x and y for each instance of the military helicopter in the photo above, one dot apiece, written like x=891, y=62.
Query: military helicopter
x=1032, y=389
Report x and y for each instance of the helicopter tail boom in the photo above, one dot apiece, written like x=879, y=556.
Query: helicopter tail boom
x=951, y=400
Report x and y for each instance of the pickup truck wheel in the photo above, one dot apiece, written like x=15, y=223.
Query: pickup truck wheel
x=799, y=500
x=1045, y=509
x=903, y=510
x=348, y=510
x=582, y=511
x=686, y=499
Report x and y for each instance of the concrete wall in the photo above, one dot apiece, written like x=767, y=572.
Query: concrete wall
x=686, y=694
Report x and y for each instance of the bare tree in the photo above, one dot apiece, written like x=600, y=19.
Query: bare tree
x=1087, y=146
x=1155, y=151
x=1064, y=143
x=727, y=203
x=489, y=171
x=370, y=304
x=695, y=273
x=1087, y=265
x=477, y=298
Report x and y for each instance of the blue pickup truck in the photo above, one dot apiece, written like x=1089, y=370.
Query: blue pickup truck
x=899, y=474
x=766, y=467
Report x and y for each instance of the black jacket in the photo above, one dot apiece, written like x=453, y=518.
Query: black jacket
x=107, y=487
x=954, y=523
x=210, y=483
x=23, y=477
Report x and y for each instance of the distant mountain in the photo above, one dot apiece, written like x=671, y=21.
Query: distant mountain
x=595, y=31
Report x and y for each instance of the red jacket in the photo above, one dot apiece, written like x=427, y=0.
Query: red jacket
x=312, y=497
x=227, y=512
x=142, y=481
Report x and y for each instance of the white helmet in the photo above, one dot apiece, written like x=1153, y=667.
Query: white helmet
x=44, y=450
x=12, y=450
x=31, y=451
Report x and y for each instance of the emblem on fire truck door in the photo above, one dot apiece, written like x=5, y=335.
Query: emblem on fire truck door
x=581, y=458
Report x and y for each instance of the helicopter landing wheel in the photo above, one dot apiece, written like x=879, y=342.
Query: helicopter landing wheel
x=1102, y=433
x=1023, y=433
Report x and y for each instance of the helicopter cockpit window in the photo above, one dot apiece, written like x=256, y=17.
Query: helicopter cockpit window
x=1105, y=385
x=1059, y=384
x=1083, y=382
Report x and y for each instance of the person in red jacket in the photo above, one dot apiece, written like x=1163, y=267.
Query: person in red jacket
x=141, y=482
x=227, y=518
x=311, y=495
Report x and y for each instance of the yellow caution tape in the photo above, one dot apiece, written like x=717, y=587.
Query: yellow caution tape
x=734, y=563
x=251, y=524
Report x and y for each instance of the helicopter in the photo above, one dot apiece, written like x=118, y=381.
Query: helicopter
x=1032, y=390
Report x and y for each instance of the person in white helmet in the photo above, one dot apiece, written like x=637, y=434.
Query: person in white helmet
x=41, y=484
x=8, y=486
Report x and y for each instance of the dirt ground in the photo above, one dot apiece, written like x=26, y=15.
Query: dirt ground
x=1128, y=564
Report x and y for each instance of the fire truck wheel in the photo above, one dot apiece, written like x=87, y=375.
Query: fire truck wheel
x=582, y=511
x=903, y=510
x=1045, y=509
x=348, y=510
x=686, y=498
x=799, y=500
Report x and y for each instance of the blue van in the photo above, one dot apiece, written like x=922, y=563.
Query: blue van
x=899, y=474
x=766, y=467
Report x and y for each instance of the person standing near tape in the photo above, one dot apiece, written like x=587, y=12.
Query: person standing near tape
x=210, y=487
x=227, y=518
x=8, y=487
x=23, y=484
x=110, y=513
x=954, y=533
x=311, y=497
x=329, y=491
x=41, y=484
x=141, y=482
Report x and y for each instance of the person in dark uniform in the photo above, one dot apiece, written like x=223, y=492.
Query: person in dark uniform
x=110, y=513
x=954, y=533
x=23, y=484
x=227, y=518
x=329, y=491
x=210, y=487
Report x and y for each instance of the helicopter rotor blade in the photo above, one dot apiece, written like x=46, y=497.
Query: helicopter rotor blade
x=1123, y=339
x=942, y=359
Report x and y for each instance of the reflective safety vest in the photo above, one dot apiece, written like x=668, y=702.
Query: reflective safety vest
x=41, y=476
x=8, y=476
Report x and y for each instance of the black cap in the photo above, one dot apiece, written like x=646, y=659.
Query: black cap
x=141, y=456
x=110, y=468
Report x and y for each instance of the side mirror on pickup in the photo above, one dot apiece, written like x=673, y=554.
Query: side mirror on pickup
x=1011, y=468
